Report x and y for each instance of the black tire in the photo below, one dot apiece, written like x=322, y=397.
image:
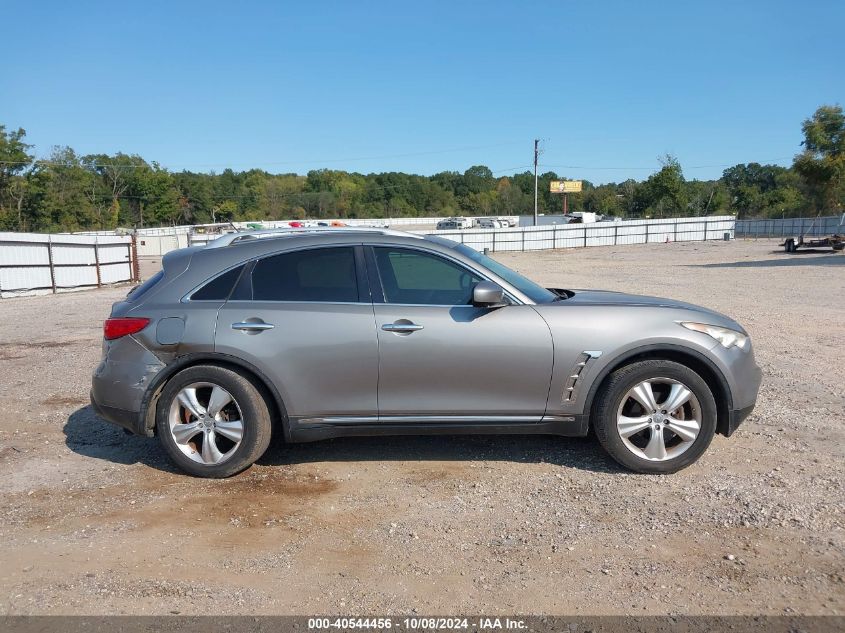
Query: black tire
x=609, y=398
x=254, y=412
x=789, y=246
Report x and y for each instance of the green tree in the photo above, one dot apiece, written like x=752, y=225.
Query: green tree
x=604, y=200
x=65, y=204
x=15, y=176
x=822, y=163
x=756, y=190
x=664, y=193
x=66, y=192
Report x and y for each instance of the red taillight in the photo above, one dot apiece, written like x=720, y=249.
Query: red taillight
x=115, y=328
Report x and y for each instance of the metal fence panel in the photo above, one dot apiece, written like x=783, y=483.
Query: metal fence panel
x=116, y=274
x=595, y=234
x=33, y=263
x=156, y=245
x=790, y=227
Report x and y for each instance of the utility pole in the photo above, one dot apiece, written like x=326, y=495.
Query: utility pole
x=536, y=152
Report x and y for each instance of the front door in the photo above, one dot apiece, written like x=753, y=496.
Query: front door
x=441, y=358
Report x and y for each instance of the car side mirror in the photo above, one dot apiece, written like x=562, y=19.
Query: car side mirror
x=488, y=295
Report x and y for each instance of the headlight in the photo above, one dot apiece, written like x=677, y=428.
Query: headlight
x=728, y=338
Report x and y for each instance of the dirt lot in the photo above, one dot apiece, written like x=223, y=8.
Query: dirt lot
x=96, y=522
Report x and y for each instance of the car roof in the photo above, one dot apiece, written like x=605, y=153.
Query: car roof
x=288, y=232
x=220, y=254
x=197, y=264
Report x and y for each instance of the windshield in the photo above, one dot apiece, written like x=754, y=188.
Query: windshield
x=533, y=291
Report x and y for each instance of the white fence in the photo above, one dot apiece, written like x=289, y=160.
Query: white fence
x=791, y=227
x=551, y=236
x=157, y=241
x=595, y=234
x=158, y=245
x=33, y=263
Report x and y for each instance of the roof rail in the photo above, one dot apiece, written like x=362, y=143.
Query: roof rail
x=243, y=236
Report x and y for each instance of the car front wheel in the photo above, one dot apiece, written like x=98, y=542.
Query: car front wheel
x=655, y=416
x=212, y=421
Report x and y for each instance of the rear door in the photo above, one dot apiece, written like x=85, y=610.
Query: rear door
x=305, y=319
x=440, y=357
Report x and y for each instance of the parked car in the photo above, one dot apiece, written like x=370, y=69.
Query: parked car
x=487, y=223
x=274, y=332
x=446, y=225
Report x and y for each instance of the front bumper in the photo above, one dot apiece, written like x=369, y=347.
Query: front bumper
x=743, y=377
x=735, y=419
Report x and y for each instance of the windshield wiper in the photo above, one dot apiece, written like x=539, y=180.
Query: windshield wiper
x=560, y=293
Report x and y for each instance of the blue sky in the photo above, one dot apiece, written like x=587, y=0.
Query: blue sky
x=423, y=87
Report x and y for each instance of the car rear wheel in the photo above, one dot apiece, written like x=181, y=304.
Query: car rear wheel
x=655, y=416
x=212, y=421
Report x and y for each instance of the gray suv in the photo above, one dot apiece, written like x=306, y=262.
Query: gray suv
x=320, y=333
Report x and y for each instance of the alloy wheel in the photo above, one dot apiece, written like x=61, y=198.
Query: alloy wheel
x=659, y=419
x=206, y=423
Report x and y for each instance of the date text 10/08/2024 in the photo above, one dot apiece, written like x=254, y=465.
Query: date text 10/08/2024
x=416, y=623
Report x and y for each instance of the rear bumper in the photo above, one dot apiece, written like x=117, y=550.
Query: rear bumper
x=121, y=381
x=128, y=420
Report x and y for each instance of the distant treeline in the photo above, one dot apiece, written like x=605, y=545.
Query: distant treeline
x=68, y=192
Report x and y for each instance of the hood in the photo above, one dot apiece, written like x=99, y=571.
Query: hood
x=607, y=297
x=622, y=299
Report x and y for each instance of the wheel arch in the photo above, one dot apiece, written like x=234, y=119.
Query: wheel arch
x=149, y=404
x=693, y=359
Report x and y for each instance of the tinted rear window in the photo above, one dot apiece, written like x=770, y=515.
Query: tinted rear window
x=320, y=274
x=219, y=288
x=139, y=291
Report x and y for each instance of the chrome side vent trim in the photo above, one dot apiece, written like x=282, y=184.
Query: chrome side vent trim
x=570, y=385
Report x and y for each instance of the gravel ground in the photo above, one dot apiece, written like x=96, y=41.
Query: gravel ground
x=95, y=522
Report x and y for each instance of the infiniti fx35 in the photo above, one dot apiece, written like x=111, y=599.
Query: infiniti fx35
x=320, y=333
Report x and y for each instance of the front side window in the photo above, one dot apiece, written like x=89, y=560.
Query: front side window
x=530, y=289
x=414, y=277
x=320, y=274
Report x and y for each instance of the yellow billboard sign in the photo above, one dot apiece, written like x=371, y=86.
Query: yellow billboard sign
x=565, y=186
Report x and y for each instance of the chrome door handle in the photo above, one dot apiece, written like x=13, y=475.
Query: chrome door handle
x=252, y=326
x=401, y=327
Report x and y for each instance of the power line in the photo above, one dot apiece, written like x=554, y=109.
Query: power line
x=45, y=162
x=761, y=162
